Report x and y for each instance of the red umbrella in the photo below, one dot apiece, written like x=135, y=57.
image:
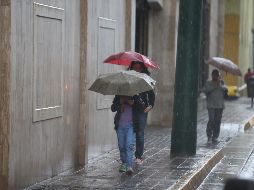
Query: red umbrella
x=125, y=58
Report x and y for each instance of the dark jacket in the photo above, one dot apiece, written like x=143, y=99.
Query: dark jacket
x=148, y=98
x=137, y=107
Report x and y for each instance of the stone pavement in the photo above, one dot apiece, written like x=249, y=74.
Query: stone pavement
x=237, y=162
x=159, y=171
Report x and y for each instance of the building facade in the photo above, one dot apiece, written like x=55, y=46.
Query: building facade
x=40, y=136
x=238, y=37
x=50, y=53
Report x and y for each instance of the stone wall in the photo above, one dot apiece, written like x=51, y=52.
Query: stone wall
x=162, y=48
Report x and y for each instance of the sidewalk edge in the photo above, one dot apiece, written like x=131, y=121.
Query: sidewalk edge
x=249, y=123
x=197, y=178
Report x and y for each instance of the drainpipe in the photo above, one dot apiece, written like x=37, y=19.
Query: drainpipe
x=184, y=129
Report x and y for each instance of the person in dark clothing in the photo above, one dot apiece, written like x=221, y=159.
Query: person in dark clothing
x=214, y=90
x=248, y=75
x=148, y=98
x=126, y=122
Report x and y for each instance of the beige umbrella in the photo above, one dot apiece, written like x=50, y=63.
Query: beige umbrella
x=126, y=83
x=225, y=65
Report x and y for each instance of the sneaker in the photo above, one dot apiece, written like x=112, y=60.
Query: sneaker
x=129, y=171
x=123, y=168
x=139, y=161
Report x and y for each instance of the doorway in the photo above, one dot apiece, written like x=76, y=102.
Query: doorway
x=142, y=21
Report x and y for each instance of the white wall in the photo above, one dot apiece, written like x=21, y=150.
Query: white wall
x=106, y=35
x=216, y=30
x=43, y=70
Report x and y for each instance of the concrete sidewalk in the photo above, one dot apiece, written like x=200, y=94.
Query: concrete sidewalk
x=159, y=171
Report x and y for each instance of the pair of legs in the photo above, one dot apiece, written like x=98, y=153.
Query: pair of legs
x=125, y=136
x=213, y=125
x=140, y=134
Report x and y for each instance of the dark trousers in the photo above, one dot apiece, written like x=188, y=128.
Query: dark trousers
x=213, y=125
x=140, y=135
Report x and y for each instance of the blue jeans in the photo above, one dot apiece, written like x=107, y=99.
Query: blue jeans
x=125, y=136
x=140, y=135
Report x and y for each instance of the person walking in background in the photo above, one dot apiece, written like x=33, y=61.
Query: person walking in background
x=248, y=75
x=214, y=90
x=148, y=98
x=125, y=124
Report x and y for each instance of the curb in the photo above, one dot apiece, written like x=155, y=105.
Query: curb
x=194, y=181
x=249, y=123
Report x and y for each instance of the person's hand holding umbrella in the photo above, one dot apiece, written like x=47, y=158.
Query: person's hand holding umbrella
x=147, y=109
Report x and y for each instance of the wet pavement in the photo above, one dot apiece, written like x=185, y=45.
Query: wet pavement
x=237, y=162
x=158, y=171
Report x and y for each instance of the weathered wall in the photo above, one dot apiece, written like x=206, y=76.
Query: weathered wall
x=105, y=35
x=162, y=48
x=83, y=81
x=216, y=39
x=231, y=36
x=246, y=37
x=45, y=66
x=5, y=52
x=130, y=17
x=215, y=27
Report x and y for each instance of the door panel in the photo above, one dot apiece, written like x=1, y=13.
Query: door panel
x=106, y=35
x=106, y=46
x=48, y=62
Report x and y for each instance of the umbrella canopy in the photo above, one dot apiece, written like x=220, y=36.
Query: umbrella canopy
x=126, y=83
x=125, y=58
x=225, y=65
